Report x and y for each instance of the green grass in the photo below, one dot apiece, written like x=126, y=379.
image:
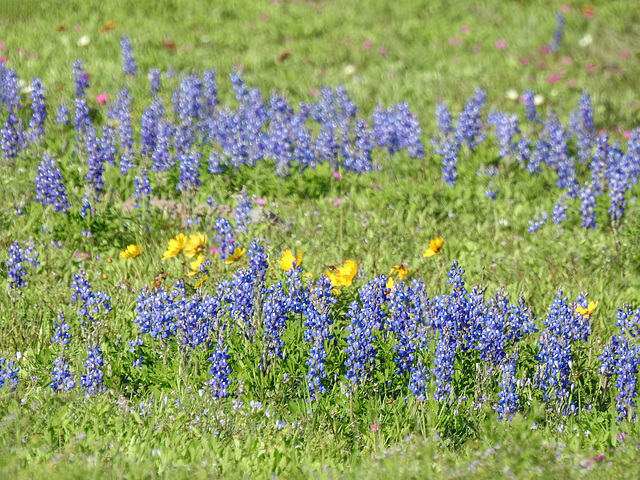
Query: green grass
x=386, y=217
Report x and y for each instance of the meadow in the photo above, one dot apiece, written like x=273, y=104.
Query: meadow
x=319, y=239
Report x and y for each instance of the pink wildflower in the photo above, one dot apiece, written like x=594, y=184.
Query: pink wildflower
x=367, y=44
x=591, y=68
x=102, y=98
x=465, y=29
x=544, y=49
x=337, y=202
x=260, y=201
x=337, y=175
x=454, y=41
x=501, y=44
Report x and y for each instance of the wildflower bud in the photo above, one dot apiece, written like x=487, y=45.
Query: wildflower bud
x=105, y=276
x=109, y=260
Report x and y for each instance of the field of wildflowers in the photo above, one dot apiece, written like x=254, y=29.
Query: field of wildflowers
x=250, y=245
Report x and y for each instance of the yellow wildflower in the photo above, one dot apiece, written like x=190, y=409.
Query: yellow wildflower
x=401, y=270
x=586, y=312
x=288, y=261
x=195, y=266
x=131, y=251
x=201, y=281
x=390, y=283
x=343, y=276
x=195, y=244
x=237, y=255
x=175, y=246
x=434, y=247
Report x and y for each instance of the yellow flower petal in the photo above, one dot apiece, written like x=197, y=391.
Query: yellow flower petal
x=586, y=312
x=195, y=266
x=343, y=276
x=401, y=270
x=200, y=282
x=434, y=247
x=195, y=244
x=131, y=251
x=237, y=255
x=175, y=246
x=288, y=261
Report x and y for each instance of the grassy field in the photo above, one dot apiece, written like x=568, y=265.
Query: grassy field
x=171, y=332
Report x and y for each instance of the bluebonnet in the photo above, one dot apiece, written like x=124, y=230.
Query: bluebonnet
x=12, y=136
x=188, y=165
x=155, y=312
x=621, y=357
x=81, y=119
x=161, y=156
x=588, y=206
x=186, y=99
x=243, y=209
x=506, y=128
x=449, y=151
x=107, y=146
x=220, y=369
x=508, y=396
x=224, y=238
x=326, y=146
x=155, y=82
x=397, y=128
x=632, y=157
x=364, y=321
x=9, y=88
x=402, y=322
x=298, y=292
x=49, y=187
x=303, y=146
x=444, y=121
x=618, y=184
x=598, y=164
x=209, y=93
x=18, y=258
x=61, y=377
x=39, y=109
x=93, y=378
x=453, y=319
x=469, y=124
x=318, y=321
x=559, y=158
x=95, y=163
x=149, y=124
x=121, y=111
x=491, y=192
x=554, y=45
x=80, y=78
x=275, y=310
x=581, y=125
x=418, y=381
x=8, y=374
x=129, y=66
x=530, y=109
x=142, y=190
x=214, y=166
x=62, y=114
x=537, y=223
x=90, y=303
x=559, y=212
x=61, y=330
x=564, y=327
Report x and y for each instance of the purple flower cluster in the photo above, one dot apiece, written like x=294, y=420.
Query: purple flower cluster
x=93, y=378
x=49, y=187
x=8, y=374
x=621, y=357
x=18, y=258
